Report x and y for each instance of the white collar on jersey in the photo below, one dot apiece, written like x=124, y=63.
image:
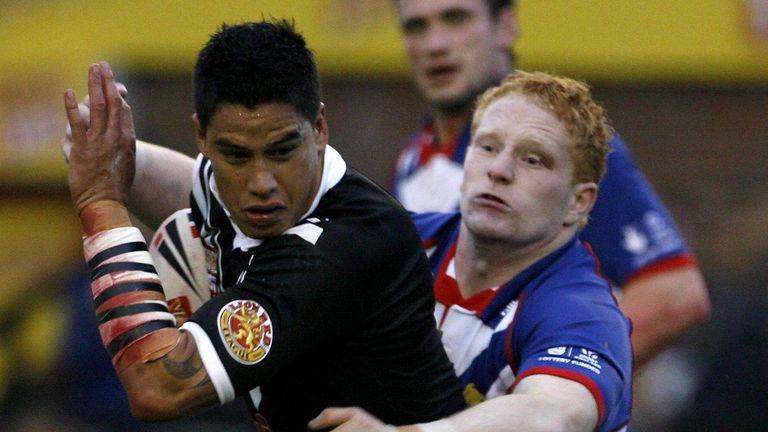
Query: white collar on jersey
x=334, y=168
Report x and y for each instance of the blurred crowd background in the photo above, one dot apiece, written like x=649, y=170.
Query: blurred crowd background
x=685, y=82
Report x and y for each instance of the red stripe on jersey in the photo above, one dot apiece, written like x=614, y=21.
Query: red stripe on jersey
x=429, y=146
x=671, y=263
x=428, y=243
x=448, y=293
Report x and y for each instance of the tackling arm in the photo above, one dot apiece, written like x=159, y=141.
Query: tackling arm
x=162, y=184
x=539, y=403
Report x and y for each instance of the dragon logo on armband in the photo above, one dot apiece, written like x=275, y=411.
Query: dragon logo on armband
x=246, y=330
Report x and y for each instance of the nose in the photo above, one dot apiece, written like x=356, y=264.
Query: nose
x=502, y=169
x=261, y=181
x=436, y=39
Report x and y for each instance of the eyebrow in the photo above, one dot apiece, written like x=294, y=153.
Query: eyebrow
x=287, y=137
x=225, y=143
x=450, y=13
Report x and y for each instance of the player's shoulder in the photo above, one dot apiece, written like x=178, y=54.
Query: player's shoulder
x=358, y=200
x=432, y=225
x=570, y=275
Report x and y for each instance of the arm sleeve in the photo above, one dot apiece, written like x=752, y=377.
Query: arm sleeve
x=629, y=229
x=586, y=340
x=274, y=316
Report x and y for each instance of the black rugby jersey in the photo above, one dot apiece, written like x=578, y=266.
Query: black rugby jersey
x=336, y=311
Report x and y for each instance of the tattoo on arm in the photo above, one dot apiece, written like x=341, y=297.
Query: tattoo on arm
x=184, y=363
x=182, y=369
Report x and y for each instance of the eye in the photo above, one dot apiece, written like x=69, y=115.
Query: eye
x=414, y=26
x=485, y=144
x=533, y=159
x=283, y=151
x=235, y=156
x=456, y=17
x=487, y=148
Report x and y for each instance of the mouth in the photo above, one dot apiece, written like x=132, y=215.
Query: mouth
x=491, y=201
x=264, y=215
x=441, y=74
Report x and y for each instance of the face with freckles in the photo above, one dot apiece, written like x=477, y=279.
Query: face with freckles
x=267, y=162
x=518, y=177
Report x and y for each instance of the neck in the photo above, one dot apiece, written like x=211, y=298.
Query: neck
x=486, y=263
x=449, y=124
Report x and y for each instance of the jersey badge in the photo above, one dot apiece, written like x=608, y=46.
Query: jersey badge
x=246, y=329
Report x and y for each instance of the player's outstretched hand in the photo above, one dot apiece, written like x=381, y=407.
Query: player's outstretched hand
x=350, y=419
x=103, y=143
x=85, y=113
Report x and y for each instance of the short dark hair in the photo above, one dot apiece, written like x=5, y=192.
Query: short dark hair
x=254, y=63
x=495, y=6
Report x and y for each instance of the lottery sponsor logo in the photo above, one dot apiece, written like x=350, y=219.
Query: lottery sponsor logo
x=580, y=357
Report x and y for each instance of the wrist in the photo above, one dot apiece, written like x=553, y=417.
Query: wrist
x=103, y=215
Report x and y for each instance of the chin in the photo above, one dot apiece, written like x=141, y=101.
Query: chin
x=485, y=229
x=451, y=104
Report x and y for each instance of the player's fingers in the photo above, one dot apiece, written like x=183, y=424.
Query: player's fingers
x=330, y=417
x=118, y=109
x=98, y=104
x=115, y=102
x=77, y=127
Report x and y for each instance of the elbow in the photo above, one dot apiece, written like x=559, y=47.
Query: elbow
x=151, y=404
x=696, y=308
x=700, y=309
x=149, y=409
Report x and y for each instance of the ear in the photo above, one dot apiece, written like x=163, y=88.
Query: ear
x=582, y=200
x=199, y=134
x=506, y=31
x=321, y=129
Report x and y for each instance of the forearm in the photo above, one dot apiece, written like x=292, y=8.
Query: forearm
x=161, y=185
x=171, y=386
x=158, y=365
x=540, y=403
x=662, y=306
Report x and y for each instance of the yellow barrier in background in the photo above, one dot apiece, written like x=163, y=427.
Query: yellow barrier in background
x=45, y=47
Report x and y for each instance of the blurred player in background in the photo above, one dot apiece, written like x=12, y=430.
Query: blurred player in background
x=315, y=303
x=459, y=48
x=533, y=330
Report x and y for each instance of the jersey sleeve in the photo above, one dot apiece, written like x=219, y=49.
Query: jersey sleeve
x=629, y=228
x=586, y=340
x=276, y=313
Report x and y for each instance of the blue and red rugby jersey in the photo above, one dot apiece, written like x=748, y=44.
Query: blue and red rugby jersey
x=558, y=317
x=630, y=229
